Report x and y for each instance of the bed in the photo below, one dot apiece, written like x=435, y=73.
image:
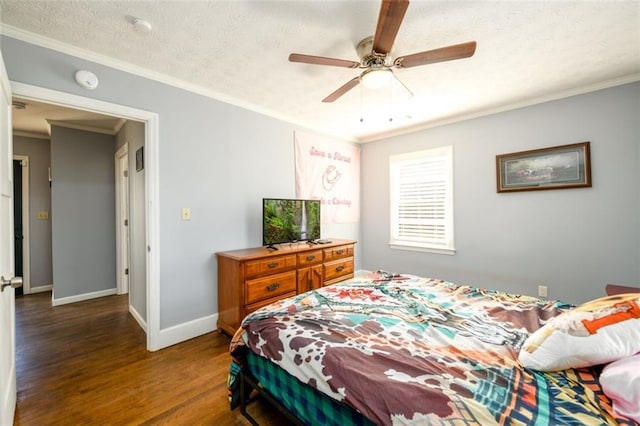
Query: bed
x=388, y=349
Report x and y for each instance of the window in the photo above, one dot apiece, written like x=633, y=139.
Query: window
x=422, y=200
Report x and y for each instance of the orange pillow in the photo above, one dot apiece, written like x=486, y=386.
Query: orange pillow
x=596, y=332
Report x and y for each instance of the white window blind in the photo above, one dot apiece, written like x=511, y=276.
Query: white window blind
x=422, y=200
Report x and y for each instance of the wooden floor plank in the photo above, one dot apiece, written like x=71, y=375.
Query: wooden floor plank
x=86, y=363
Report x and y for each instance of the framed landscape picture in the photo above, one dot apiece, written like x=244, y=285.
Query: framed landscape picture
x=566, y=166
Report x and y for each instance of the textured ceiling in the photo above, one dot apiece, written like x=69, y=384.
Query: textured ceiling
x=236, y=51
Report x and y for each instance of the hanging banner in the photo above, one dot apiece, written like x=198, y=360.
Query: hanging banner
x=329, y=171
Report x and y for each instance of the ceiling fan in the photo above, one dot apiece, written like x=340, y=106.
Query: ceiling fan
x=374, y=51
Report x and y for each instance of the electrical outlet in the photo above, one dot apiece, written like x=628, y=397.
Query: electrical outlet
x=542, y=291
x=186, y=213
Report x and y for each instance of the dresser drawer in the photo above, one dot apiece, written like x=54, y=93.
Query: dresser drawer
x=251, y=278
x=270, y=265
x=337, y=269
x=338, y=252
x=257, y=305
x=309, y=258
x=271, y=286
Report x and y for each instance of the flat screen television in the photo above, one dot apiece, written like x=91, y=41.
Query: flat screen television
x=288, y=220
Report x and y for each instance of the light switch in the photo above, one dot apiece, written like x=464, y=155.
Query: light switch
x=186, y=213
x=43, y=215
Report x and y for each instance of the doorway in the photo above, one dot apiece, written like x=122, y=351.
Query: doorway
x=150, y=247
x=121, y=159
x=21, y=221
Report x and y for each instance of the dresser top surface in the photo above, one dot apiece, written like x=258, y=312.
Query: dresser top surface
x=282, y=249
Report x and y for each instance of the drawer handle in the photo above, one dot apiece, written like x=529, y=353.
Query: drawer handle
x=273, y=286
x=272, y=265
x=339, y=251
x=310, y=258
x=340, y=268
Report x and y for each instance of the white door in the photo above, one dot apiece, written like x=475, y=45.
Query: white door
x=7, y=298
x=122, y=219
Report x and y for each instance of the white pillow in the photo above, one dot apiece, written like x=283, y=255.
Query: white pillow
x=620, y=381
x=597, y=332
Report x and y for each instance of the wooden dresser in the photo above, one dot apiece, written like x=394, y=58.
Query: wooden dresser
x=251, y=278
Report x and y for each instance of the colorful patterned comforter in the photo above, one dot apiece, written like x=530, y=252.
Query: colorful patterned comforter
x=410, y=350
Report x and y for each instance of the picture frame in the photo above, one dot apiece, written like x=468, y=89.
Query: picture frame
x=140, y=159
x=558, y=167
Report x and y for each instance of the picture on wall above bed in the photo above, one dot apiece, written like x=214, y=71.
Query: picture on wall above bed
x=566, y=166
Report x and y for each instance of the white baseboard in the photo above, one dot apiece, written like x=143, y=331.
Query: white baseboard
x=41, y=289
x=81, y=297
x=141, y=322
x=188, y=330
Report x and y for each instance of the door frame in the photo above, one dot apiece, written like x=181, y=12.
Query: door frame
x=8, y=391
x=121, y=164
x=26, y=264
x=152, y=190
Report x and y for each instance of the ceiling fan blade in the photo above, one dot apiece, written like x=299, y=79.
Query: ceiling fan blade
x=342, y=90
x=320, y=60
x=391, y=15
x=457, y=51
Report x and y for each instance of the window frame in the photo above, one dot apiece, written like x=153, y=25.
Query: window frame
x=396, y=163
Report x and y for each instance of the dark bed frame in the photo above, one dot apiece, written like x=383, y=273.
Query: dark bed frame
x=246, y=398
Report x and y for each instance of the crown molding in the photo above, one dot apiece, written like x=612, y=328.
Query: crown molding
x=88, y=55
x=31, y=135
x=119, y=125
x=630, y=78
x=88, y=128
x=65, y=48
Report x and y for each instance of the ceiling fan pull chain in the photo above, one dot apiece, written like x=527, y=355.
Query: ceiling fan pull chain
x=390, y=102
x=361, y=105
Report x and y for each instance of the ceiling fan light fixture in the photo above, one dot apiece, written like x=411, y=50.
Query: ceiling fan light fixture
x=376, y=78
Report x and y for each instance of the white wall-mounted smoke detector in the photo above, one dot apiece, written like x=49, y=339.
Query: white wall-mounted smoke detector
x=86, y=79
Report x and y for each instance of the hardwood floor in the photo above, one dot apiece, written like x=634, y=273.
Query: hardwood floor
x=86, y=363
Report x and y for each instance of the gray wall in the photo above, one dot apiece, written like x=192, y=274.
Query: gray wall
x=220, y=160
x=38, y=151
x=217, y=159
x=83, y=212
x=132, y=133
x=572, y=240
